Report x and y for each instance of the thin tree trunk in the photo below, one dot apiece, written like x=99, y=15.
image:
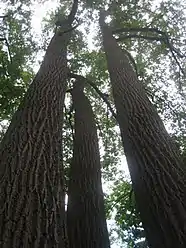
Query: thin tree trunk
x=154, y=163
x=31, y=173
x=86, y=222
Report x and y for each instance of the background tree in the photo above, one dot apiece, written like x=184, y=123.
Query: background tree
x=17, y=50
x=86, y=222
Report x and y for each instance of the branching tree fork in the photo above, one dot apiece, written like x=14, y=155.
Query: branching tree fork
x=93, y=85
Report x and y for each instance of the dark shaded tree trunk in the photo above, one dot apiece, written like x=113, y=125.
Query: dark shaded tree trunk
x=86, y=222
x=154, y=163
x=31, y=173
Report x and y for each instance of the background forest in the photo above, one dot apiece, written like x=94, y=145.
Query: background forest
x=153, y=32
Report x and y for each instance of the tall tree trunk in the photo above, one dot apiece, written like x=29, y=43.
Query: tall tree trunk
x=31, y=173
x=86, y=223
x=154, y=163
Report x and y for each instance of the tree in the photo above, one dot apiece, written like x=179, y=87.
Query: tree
x=31, y=172
x=17, y=48
x=86, y=222
x=155, y=164
x=122, y=202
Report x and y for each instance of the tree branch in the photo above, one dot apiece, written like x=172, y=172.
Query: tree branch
x=73, y=12
x=131, y=59
x=68, y=116
x=177, y=52
x=70, y=29
x=102, y=95
x=152, y=38
x=3, y=16
x=154, y=30
x=4, y=39
x=163, y=38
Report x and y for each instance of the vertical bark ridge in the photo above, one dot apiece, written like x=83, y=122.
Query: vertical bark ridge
x=155, y=165
x=86, y=222
x=31, y=173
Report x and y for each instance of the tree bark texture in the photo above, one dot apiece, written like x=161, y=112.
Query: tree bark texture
x=86, y=222
x=31, y=173
x=155, y=165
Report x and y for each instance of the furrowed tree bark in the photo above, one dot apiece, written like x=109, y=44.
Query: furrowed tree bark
x=155, y=165
x=86, y=222
x=32, y=212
